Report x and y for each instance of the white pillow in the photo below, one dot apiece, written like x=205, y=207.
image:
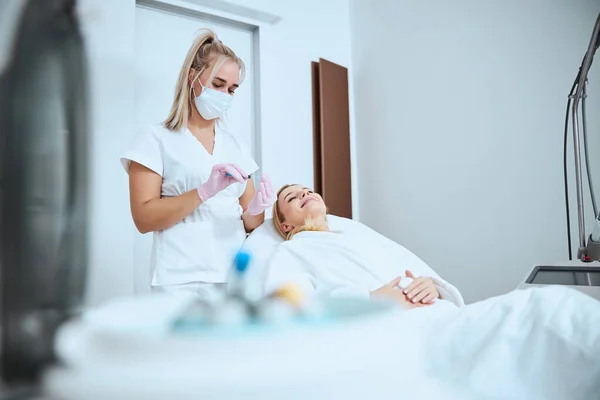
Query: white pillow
x=261, y=245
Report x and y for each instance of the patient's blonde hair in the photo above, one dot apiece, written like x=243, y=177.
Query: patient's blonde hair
x=279, y=219
x=206, y=51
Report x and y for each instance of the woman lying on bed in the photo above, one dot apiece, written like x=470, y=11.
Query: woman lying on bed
x=357, y=262
x=541, y=343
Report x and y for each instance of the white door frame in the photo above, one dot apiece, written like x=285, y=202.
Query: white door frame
x=187, y=8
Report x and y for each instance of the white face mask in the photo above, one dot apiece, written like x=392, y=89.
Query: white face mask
x=211, y=103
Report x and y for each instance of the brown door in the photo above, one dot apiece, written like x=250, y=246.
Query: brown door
x=331, y=134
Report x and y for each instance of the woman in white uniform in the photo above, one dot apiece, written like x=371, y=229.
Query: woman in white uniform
x=190, y=179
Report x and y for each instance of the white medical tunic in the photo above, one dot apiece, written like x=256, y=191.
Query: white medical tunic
x=201, y=248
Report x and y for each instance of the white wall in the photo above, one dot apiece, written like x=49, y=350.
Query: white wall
x=302, y=36
x=287, y=49
x=109, y=34
x=459, y=122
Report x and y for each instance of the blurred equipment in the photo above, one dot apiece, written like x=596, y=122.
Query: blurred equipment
x=43, y=181
x=584, y=277
x=577, y=97
x=167, y=347
x=237, y=311
x=577, y=274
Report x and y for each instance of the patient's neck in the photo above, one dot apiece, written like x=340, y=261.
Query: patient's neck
x=325, y=225
x=318, y=223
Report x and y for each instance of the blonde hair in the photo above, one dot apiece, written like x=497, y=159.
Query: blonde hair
x=279, y=219
x=206, y=51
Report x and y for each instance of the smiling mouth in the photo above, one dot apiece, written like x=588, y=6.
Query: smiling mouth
x=306, y=201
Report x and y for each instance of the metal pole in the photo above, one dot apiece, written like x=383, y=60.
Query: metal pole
x=578, y=182
x=586, y=150
x=581, y=88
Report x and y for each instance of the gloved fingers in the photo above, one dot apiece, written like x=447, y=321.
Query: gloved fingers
x=240, y=170
x=235, y=173
x=268, y=186
x=265, y=178
x=256, y=205
x=260, y=198
x=218, y=168
x=262, y=189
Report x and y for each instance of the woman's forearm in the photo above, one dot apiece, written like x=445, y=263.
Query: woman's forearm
x=251, y=222
x=159, y=214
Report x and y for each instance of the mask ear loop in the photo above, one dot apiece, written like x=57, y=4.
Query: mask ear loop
x=193, y=91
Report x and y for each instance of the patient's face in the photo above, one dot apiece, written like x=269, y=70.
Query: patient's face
x=298, y=203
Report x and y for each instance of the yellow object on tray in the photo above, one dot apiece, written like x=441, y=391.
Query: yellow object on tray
x=291, y=294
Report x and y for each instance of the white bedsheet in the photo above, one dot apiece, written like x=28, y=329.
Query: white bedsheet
x=528, y=344
x=531, y=344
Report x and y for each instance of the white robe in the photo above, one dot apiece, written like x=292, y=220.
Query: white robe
x=351, y=261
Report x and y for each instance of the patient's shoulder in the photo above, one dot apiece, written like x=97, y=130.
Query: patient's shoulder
x=283, y=248
x=288, y=256
x=290, y=246
x=342, y=224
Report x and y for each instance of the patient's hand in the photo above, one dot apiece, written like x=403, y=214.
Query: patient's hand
x=421, y=290
x=392, y=292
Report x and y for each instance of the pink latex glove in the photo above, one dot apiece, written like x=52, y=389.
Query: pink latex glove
x=221, y=176
x=264, y=197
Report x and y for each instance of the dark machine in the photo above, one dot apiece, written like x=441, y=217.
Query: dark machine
x=43, y=182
